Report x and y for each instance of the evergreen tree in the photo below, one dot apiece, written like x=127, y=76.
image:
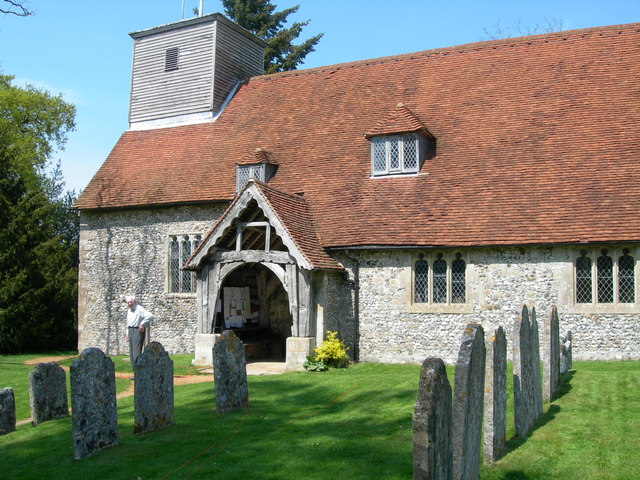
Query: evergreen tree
x=38, y=229
x=260, y=18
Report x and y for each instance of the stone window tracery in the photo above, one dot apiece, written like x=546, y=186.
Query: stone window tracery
x=443, y=283
x=180, y=249
x=614, y=274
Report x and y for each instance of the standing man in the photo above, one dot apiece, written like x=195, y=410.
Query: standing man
x=138, y=319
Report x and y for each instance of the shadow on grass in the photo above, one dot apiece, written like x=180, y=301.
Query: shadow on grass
x=565, y=385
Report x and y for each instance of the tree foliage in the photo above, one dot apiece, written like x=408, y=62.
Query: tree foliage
x=261, y=18
x=38, y=227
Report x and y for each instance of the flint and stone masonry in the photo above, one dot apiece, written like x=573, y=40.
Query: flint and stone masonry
x=230, y=373
x=432, y=456
x=468, y=404
x=551, y=352
x=7, y=411
x=153, y=389
x=48, y=393
x=526, y=384
x=93, y=403
x=495, y=396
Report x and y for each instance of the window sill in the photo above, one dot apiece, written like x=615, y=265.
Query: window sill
x=181, y=295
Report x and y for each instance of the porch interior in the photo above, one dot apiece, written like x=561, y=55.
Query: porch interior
x=255, y=306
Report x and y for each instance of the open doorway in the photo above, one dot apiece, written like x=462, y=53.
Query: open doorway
x=255, y=306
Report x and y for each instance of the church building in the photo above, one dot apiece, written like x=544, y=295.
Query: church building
x=393, y=200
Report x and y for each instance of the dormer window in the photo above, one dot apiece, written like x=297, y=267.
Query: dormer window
x=245, y=172
x=397, y=154
x=261, y=166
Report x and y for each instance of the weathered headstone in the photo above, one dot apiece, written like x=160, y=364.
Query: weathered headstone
x=93, y=403
x=495, y=396
x=230, y=373
x=153, y=389
x=48, y=393
x=535, y=360
x=551, y=352
x=567, y=354
x=7, y=411
x=468, y=403
x=432, y=455
x=525, y=397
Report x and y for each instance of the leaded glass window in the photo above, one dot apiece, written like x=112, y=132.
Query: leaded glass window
x=626, y=278
x=396, y=154
x=583, y=278
x=458, y=289
x=245, y=172
x=614, y=274
x=421, y=281
x=440, y=280
x=605, y=278
x=180, y=249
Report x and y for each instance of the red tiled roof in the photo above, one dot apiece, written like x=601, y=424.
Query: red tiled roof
x=537, y=143
x=398, y=120
x=295, y=215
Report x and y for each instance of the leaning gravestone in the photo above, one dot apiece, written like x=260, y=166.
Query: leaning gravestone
x=526, y=392
x=432, y=457
x=7, y=411
x=47, y=393
x=551, y=352
x=495, y=396
x=153, y=389
x=230, y=373
x=468, y=403
x=93, y=403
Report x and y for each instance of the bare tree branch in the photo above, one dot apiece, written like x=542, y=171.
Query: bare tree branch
x=15, y=7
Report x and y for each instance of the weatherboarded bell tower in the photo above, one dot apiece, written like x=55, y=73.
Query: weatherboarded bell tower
x=184, y=72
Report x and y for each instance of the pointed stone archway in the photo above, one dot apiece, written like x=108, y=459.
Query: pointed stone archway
x=273, y=231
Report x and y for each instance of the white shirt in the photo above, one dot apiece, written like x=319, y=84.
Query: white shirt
x=137, y=316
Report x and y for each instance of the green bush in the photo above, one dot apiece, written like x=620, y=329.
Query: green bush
x=332, y=353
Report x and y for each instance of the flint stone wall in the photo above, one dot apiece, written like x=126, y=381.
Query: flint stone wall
x=93, y=403
x=499, y=282
x=468, y=404
x=153, y=389
x=48, y=393
x=7, y=411
x=495, y=396
x=551, y=354
x=125, y=252
x=230, y=373
x=527, y=395
x=432, y=454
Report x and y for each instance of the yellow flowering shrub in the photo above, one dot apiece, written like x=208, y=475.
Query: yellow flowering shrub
x=332, y=352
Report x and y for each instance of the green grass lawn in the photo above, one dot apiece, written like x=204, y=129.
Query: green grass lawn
x=342, y=424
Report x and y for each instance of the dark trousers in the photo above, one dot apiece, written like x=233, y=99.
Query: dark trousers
x=136, y=343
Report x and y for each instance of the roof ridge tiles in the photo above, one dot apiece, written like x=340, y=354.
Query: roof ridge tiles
x=454, y=49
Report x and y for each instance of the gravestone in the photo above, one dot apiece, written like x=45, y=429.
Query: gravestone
x=535, y=360
x=432, y=456
x=93, y=403
x=566, y=360
x=153, y=389
x=47, y=393
x=230, y=373
x=551, y=352
x=468, y=404
x=7, y=411
x=495, y=396
x=526, y=393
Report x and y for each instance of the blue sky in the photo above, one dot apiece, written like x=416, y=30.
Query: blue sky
x=82, y=49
